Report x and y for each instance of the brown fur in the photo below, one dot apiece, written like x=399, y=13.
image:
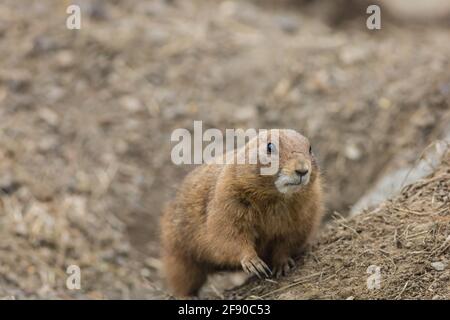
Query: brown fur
x=228, y=217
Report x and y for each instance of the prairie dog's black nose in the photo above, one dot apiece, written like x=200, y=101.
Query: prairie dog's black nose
x=302, y=172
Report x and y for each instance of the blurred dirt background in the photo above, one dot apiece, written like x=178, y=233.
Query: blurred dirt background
x=86, y=117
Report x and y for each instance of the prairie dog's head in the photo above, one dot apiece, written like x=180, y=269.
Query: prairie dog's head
x=297, y=165
x=292, y=159
x=286, y=163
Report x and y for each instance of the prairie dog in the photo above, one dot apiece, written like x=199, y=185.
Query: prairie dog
x=227, y=217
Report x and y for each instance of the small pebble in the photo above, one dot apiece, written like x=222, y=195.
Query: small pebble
x=352, y=152
x=130, y=103
x=439, y=266
x=288, y=24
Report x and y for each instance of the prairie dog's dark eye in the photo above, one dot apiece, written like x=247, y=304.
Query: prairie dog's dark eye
x=270, y=148
x=310, y=150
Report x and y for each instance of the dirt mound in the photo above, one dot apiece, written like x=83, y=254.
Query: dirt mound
x=407, y=238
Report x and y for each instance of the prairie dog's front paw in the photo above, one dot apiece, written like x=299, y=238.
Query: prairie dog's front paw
x=283, y=268
x=254, y=265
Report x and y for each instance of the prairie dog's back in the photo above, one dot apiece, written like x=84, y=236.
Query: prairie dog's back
x=185, y=219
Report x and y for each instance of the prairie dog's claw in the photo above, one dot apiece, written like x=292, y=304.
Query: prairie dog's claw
x=256, y=266
x=283, y=268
